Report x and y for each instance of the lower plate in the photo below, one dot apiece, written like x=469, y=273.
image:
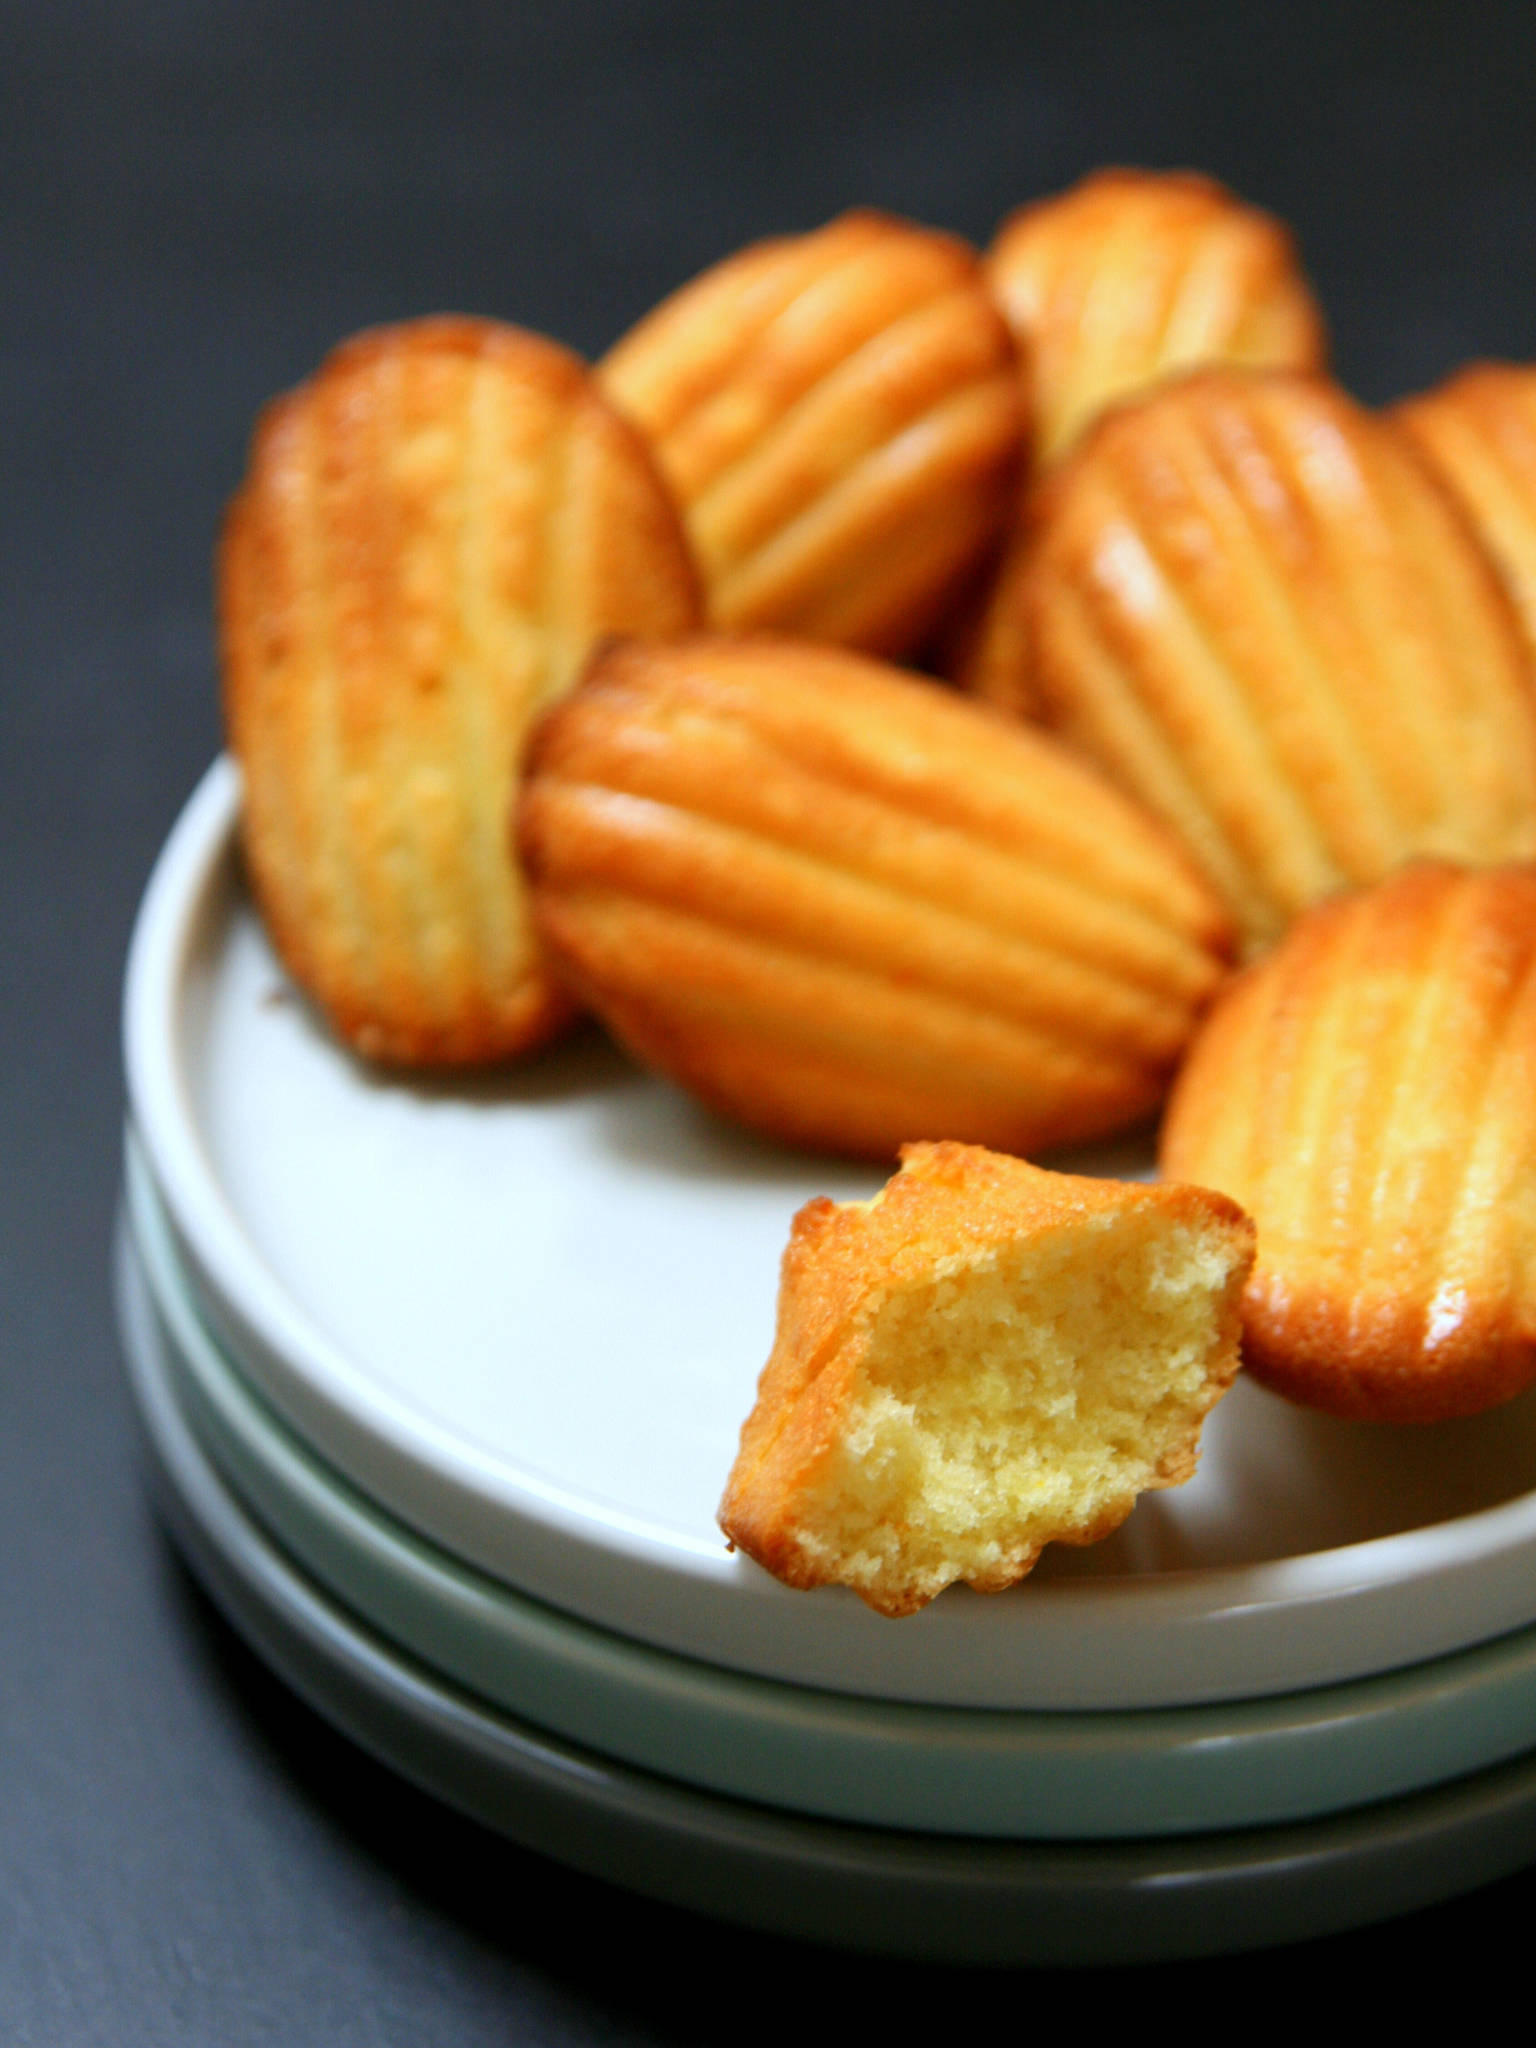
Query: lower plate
x=939, y=1897
x=948, y=1770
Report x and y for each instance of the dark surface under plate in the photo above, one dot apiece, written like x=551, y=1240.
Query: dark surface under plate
x=197, y=197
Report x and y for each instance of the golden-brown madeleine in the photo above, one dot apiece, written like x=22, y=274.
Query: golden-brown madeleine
x=1134, y=275
x=1478, y=429
x=837, y=413
x=431, y=534
x=984, y=1359
x=1368, y=1093
x=1253, y=605
x=848, y=908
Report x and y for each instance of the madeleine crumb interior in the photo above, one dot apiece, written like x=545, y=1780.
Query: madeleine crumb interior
x=985, y=1359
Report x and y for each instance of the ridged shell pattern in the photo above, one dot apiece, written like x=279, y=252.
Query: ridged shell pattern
x=1368, y=1093
x=1251, y=603
x=1478, y=430
x=850, y=909
x=1134, y=275
x=838, y=415
x=431, y=533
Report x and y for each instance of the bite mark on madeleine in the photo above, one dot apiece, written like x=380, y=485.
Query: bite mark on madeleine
x=848, y=908
x=985, y=1359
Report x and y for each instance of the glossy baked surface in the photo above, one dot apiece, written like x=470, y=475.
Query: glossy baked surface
x=849, y=908
x=1368, y=1092
x=839, y=416
x=1250, y=603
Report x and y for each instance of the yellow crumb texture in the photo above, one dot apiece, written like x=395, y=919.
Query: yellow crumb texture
x=987, y=1358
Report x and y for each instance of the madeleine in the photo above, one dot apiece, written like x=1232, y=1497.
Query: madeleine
x=984, y=1359
x=1368, y=1093
x=838, y=416
x=848, y=908
x=432, y=532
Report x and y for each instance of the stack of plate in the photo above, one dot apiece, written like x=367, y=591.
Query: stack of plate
x=442, y=1381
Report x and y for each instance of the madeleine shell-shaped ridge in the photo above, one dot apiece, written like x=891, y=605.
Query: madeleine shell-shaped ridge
x=848, y=908
x=838, y=416
x=1478, y=430
x=431, y=533
x=1368, y=1093
x=1250, y=602
x=1132, y=276
x=984, y=1359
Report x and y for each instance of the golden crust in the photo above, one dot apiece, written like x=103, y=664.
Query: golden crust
x=431, y=533
x=943, y=1219
x=847, y=907
x=1368, y=1093
x=1255, y=608
x=1133, y=276
x=838, y=415
x=1478, y=431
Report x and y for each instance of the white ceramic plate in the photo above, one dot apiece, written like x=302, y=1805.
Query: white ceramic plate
x=951, y=1770
x=939, y=1898
x=526, y=1315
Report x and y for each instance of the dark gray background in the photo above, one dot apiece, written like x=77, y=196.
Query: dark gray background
x=197, y=198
